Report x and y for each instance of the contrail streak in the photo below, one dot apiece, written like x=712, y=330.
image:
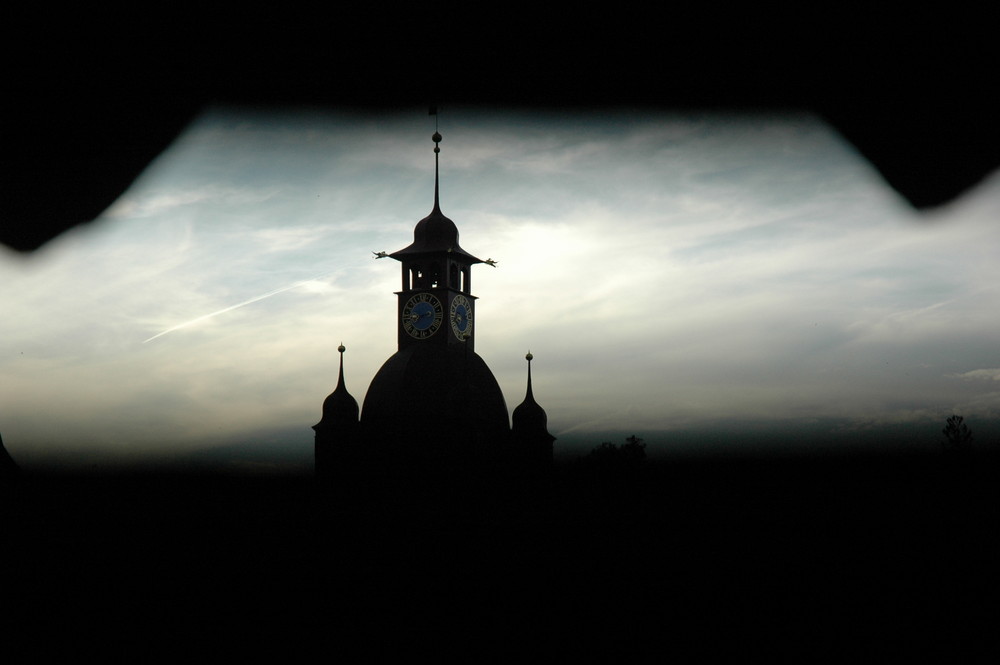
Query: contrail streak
x=237, y=306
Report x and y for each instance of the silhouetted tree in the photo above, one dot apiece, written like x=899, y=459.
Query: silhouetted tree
x=616, y=475
x=605, y=451
x=634, y=449
x=632, y=452
x=957, y=435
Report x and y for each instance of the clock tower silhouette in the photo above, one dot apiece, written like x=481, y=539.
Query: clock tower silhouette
x=434, y=412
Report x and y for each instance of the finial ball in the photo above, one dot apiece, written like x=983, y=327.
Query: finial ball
x=529, y=357
x=341, y=348
x=436, y=138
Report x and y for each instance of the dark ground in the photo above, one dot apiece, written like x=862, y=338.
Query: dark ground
x=820, y=559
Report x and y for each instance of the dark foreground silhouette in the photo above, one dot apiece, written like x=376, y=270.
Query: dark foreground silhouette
x=816, y=558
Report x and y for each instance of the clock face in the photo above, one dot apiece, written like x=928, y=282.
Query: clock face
x=422, y=315
x=461, y=317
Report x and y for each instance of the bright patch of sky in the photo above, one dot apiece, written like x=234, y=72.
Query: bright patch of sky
x=665, y=271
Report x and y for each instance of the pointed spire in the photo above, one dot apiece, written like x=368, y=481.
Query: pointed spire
x=529, y=396
x=437, y=150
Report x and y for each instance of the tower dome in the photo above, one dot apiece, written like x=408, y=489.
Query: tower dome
x=435, y=399
x=435, y=232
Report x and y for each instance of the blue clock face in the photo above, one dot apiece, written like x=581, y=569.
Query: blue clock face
x=461, y=317
x=422, y=315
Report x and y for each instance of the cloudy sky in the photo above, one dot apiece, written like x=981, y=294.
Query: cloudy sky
x=675, y=276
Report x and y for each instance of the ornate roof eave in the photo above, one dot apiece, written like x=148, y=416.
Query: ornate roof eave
x=421, y=249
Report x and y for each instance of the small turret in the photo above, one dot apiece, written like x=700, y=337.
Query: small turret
x=337, y=431
x=339, y=406
x=529, y=432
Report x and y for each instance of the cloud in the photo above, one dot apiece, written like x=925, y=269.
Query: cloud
x=979, y=375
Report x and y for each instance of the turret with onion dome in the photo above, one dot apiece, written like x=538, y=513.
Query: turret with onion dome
x=337, y=430
x=530, y=428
